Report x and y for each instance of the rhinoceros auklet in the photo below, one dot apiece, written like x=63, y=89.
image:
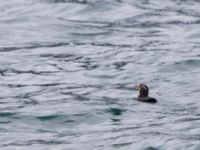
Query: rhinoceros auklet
x=143, y=94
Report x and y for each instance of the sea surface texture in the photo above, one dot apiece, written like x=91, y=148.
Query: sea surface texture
x=68, y=70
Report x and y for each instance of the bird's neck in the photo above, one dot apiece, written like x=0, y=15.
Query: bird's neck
x=143, y=95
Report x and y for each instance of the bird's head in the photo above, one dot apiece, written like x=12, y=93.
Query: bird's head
x=143, y=90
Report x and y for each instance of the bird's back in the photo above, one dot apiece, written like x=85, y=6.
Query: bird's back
x=147, y=99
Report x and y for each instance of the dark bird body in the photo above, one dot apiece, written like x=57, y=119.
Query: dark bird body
x=144, y=94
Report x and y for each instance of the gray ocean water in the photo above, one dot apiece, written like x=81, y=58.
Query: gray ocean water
x=68, y=68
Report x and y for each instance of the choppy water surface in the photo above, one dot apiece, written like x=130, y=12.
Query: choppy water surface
x=68, y=67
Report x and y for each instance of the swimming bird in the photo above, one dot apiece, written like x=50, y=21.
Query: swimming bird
x=144, y=94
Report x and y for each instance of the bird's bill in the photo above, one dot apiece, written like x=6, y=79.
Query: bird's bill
x=136, y=87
